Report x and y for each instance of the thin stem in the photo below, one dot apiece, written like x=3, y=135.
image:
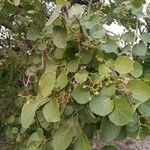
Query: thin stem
x=89, y=7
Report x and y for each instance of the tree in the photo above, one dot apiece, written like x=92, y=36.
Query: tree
x=65, y=77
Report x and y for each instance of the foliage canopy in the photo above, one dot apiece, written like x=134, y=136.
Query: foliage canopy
x=65, y=77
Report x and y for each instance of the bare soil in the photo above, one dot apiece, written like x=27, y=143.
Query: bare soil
x=130, y=144
x=127, y=144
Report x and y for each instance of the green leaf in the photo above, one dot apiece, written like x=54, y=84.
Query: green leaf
x=31, y=71
x=147, y=79
x=51, y=111
x=49, y=146
x=33, y=33
x=122, y=135
x=101, y=105
x=133, y=134
x=144, y=132
x=36, y=137
x=90, y=116
x=75, y=10
x=109, y=147
x=29, y=109
x=63, y=137
x=33, y=146
x=145, y=109
x=97, y=79
x=134, y=121
x=98, y=31
x=133, y=126
x=82, y=143
x=86, y=56
x=137, y=3
x=108, y=91
x=89, y=130
x=51, y=66
x=59, y=53
x=15, y=130
x=139, y=89
x=109, y=47
x=59, y=36
x=61, y=2
x=103, y=70
x=122, y=113
x=81, y=77
x=41, y=119
x=139, y=49
x=62, y=80
x=138, y=70
x=108, y=130
x=73, y=65
x=92, y=21
x=128, y=37
x=123, y=65
x=54, y=15
x=46, y=83
x=145, y=37
x=17, y=2
x=81, y=95
x=68, y=110
x=41, y=46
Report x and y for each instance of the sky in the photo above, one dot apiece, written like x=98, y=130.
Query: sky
x=115, y=27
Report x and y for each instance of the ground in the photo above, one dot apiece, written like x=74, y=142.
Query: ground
x=127, y=144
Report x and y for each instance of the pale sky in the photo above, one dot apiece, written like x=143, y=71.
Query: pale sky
x=115, y=27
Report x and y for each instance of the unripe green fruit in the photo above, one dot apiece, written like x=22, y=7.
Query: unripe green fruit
x=84, y=86
x=77, y=54
x=106, y=83
x=90, y=98
x=96, y=93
